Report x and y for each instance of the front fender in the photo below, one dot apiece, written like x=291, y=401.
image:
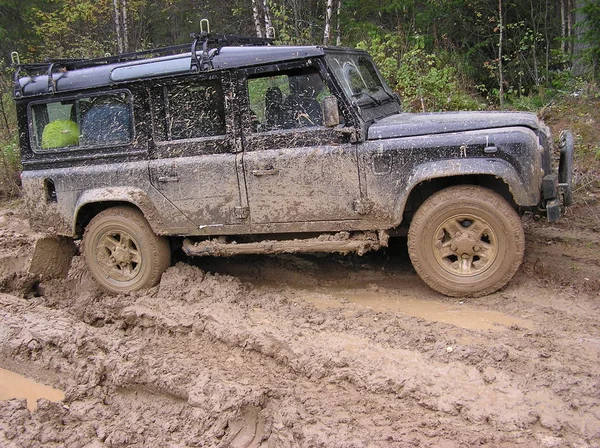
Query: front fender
x=523, y=195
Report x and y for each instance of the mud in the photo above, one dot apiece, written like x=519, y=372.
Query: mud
x=319, y=350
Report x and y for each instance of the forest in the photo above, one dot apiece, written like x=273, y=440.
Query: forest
x=437, y=54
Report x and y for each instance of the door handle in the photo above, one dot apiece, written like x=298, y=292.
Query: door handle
x=266, y=172
x=168, y=179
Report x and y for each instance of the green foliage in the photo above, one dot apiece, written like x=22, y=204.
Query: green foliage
x=426, y=81
x=10, y=167
x=287, y=32
x=591, y=36
x=10, y=159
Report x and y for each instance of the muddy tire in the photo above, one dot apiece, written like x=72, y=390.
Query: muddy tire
x=122, y=252
x=466, y=241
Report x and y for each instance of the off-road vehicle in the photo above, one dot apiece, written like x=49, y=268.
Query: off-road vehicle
x=233, y=145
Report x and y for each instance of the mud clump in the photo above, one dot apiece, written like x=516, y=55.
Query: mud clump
x=306, y=350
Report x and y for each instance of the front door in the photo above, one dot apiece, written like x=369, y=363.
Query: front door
x=194, y=158
x=296, y=169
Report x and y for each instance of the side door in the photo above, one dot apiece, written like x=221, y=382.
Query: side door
x=296, y=169
x=193, y=157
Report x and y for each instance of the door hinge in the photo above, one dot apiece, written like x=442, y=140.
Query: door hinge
x=362, y=206
x=237, y=145
x=241, y=213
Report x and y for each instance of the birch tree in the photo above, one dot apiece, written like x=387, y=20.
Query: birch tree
x=500, y=73
x=328, y=13
x=256, y=17
x=268, y=23
x=118, y=26
x=338, y=39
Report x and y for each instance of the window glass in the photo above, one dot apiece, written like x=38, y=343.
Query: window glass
x=191, y=110
x=100, y=120
x=287, y=101
x=358, y=78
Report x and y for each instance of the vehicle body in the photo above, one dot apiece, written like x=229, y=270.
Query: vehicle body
x=259, y=148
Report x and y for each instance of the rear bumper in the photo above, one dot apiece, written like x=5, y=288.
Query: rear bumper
x=556, y=187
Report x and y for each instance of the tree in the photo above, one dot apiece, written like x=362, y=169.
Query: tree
x=328, y=14
x=588, y=37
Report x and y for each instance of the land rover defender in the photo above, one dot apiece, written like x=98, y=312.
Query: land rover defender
x=234, y=145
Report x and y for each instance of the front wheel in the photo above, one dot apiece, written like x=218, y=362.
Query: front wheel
x=466, y=241
x=122, y=251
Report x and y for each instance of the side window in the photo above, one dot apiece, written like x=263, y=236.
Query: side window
x=99, y=120
x=287, y=101
x=190, y=110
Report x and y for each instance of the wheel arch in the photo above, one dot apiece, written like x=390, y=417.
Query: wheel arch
x=428, y=187
x=92, y=202
x=498, y=176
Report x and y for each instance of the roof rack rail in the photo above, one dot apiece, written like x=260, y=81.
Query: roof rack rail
x=209, y=42
x=217, y=41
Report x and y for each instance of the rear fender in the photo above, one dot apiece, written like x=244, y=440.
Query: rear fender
x=131, y=195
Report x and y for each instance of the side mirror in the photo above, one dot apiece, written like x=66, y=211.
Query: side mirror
x=331, y=112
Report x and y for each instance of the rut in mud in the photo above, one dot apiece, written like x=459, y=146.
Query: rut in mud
x=308, y=350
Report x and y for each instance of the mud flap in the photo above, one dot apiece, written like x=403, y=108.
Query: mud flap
x=52, y=257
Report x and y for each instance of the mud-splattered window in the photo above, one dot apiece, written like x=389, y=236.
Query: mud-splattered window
x=358, y=77
x=95, y=121
x=191, y=110
x=287, y=101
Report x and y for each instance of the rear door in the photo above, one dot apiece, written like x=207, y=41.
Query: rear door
x=194, y=156
x=296, y=169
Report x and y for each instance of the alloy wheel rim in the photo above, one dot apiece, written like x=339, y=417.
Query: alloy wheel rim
x=465, y=245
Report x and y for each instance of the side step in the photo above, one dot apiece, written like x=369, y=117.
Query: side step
x=342, y=242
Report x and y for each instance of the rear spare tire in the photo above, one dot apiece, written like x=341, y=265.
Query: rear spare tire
x=466, y=241
x=122, y=251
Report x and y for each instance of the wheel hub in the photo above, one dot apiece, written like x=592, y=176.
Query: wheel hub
x=465, y=245
x=118, y=256
x=122, y=255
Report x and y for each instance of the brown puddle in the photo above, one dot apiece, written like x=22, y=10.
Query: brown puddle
x=450, y=313
x=13, y=385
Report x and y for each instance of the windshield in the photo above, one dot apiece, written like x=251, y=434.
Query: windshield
x=359, y=79
x=362, y=84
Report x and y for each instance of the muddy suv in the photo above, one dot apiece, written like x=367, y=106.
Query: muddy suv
x=237, y=146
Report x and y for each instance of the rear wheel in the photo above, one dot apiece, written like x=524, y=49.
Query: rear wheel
x=122, y=251
x=466, y=241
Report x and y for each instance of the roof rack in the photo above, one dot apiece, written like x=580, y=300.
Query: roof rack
x=203, y=62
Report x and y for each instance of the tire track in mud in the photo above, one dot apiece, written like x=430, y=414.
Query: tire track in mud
x=195, y=320
x=217, y=389
x=209, y=360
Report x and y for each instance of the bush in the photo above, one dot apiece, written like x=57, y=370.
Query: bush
x=425, y=81
x=10, y=168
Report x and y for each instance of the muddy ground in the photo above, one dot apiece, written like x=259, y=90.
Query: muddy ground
x=309, y=351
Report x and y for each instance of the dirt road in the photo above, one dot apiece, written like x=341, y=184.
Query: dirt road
x=309, y=351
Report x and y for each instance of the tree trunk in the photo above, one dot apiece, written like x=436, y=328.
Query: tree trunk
x=338, y=40
x=118, y=26
x=569, y=12
x=125, y=29
x=547, y=39
x=268, y=24
x=256, y=16
x=328, y=13
x=563, y=25
x=500, y=74
x=534, y=46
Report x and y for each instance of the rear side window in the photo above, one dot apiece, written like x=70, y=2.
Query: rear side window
x=95, y=121
x=189, y=110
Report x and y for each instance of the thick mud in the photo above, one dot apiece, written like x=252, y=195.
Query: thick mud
x=308, y=351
